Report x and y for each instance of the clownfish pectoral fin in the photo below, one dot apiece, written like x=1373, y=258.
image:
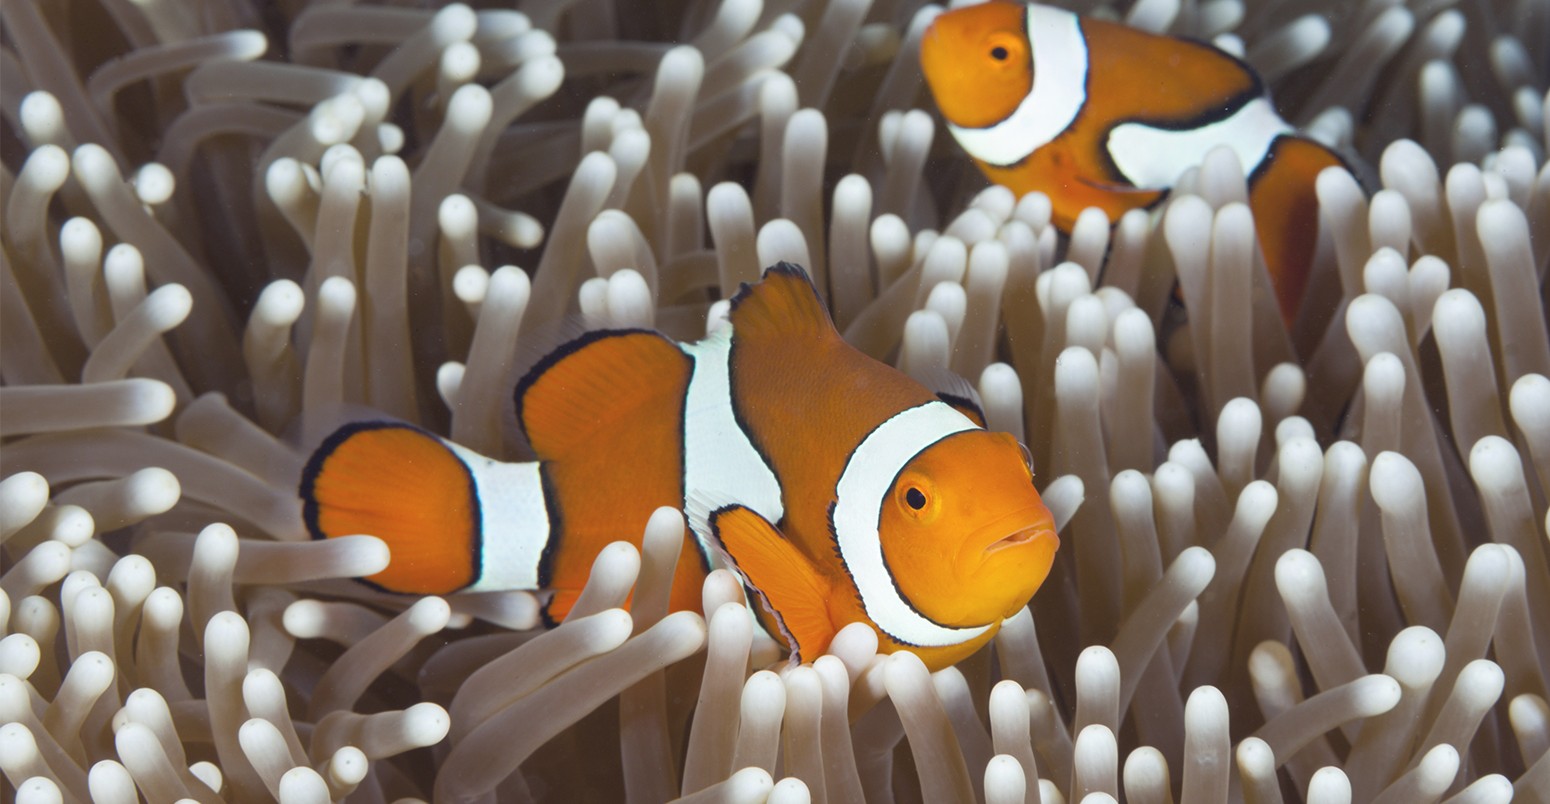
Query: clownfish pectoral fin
x=407, y=488
x=780, y=575
x=783, y=305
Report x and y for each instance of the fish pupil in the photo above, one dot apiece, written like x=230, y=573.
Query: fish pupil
x=915, y=498
x=998, y=53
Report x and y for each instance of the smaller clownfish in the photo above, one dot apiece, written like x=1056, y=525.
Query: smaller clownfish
x=837, y=488
x=1098, y=114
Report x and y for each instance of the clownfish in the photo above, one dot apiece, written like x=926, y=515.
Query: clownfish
x=839, y=489
x=1098, y=114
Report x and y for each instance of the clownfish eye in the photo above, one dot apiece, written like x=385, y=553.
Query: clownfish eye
x=1027, y=456
x=1002, y=47
x=915, y=498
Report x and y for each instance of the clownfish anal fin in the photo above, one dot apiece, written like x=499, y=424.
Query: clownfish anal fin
x=407, y=488
x=590, y=390
x=780, y=575
x=784, y=304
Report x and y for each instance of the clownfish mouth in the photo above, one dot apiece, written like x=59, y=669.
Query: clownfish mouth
x=1021, y=537
x=1004, y=537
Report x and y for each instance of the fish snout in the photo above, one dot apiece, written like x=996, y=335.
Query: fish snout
x=1025, y=527
x=1020, y=537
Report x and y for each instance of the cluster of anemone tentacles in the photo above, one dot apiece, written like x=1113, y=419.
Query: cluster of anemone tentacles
x=1306, y=563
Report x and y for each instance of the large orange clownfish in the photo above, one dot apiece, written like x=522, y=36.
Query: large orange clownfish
x=1098, y=114
x=839, y=489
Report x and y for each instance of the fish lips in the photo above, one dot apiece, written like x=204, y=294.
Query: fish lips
x=1013, y=530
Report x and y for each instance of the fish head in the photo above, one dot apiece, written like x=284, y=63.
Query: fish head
x=964, y=532
x=978, y=62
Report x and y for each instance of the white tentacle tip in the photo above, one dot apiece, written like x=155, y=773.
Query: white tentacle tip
x=1530, y=403
x=1097, y=665
x=1437, y=770
x=470, y=108
x=1255, y=758
x=25, y=489
x=94, y=167
x=1206, y=708
x=749, y=784
x=168, y=306
x=426, y=723
x=1395, y=482
x=1480, y=684
x=429, y=615
x=303, y=785
x=1375, y=694
x=1300, y=578
x=48, y=166
x=280, y=303
x=152, y=490
x=1329, y=785
x=1373, y=323
x=1415, y=657
x=1495, y=465
x=1258, y=500
x=337, y=295
x=1194, y=567
x=456, y=22
x=1457, y=314
x=154, y=183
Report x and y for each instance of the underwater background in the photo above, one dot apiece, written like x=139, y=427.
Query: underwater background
x=1304, y=562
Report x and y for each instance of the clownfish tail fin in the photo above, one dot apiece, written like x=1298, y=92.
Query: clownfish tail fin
x=406, y=487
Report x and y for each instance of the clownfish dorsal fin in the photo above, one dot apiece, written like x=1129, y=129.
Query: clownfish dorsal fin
x=968, y=407
x=587, y=392
x=780, y=575
x=956, y=391
x=784, y=304
x=406, y=487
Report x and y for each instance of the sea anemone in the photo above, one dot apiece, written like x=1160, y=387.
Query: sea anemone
x=1303, y=561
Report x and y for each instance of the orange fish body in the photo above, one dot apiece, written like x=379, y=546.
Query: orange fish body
x=1098, y=114
x=837, y=488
